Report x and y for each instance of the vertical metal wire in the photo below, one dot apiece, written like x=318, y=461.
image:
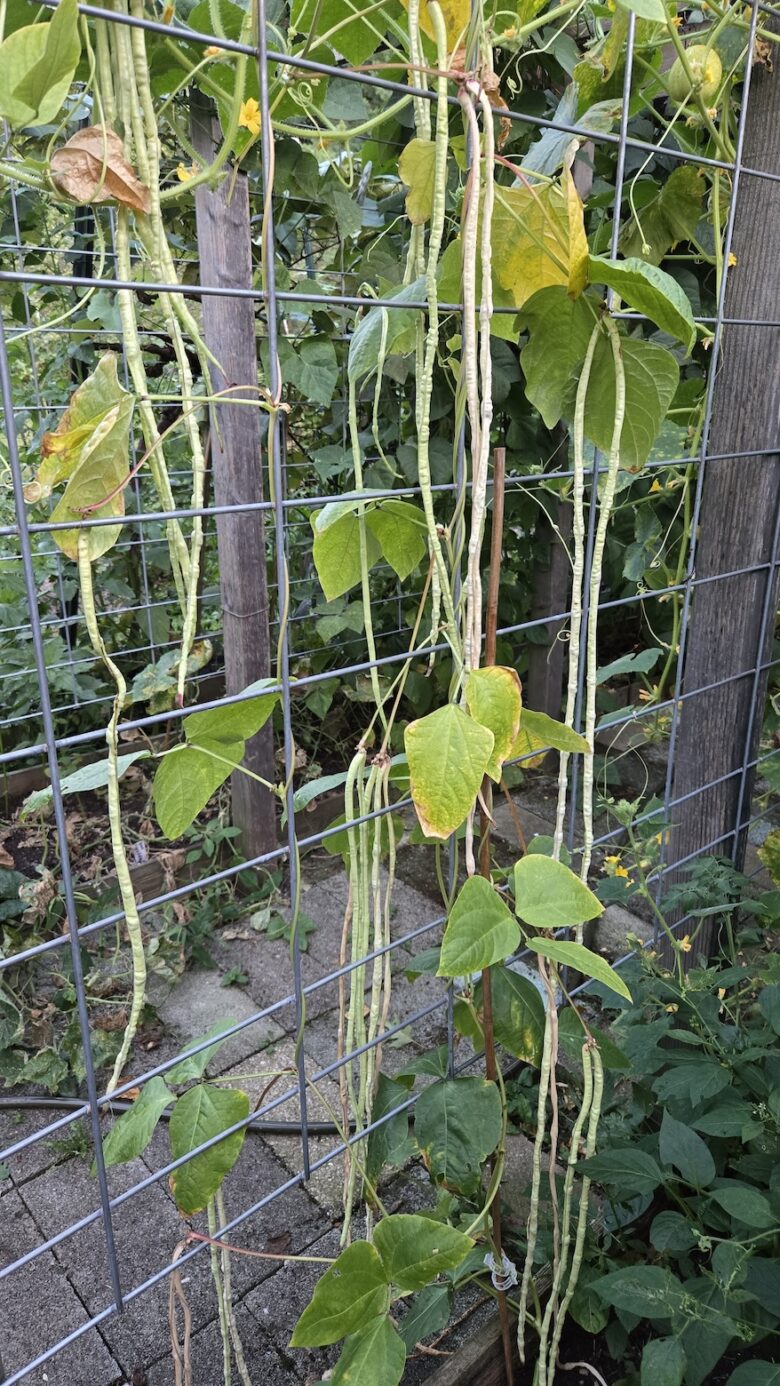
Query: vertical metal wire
x=67, y=630
x=702, y=468
x=767, y=615
x=6, y=393
x=277, y=438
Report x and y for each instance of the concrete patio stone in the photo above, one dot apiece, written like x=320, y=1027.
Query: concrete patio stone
x=40, y=1307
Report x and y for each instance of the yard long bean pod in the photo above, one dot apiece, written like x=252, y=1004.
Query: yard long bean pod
x=126, y=891
x=545, y=1068
x=235, y=1338
x=578, y=573
x=582, y=1215
x=217, y=1275
x=606, y=502
x=425, y=373
x=354, y=1020
x=544, y=1369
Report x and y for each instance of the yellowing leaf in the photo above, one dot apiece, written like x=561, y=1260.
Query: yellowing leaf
x=538, y=732
x=578, y=241
x=456, y=20
x=90, y=447
x=539, y=239
x=448, y=753
x=88, y=406
x=92, y=167
x=494, y=699
x=416, y=167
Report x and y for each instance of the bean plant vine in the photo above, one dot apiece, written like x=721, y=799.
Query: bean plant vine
x=510, y=232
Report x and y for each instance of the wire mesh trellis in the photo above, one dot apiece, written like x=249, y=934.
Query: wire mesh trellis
x=41, y=733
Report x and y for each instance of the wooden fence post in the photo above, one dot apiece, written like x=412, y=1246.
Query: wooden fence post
x=224, y=247
x=732, y=617
x=543, y=690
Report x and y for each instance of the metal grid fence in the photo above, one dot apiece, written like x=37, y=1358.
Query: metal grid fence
x=27, y=545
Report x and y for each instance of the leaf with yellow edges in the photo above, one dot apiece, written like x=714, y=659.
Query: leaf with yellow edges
x=416, y=167
x=448, y=753
x=538, y=732
x=539, y=239
x=494, y=698
x=456, y=20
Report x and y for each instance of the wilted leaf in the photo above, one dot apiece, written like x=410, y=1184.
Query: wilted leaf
x=92, y=167
x=89, y=405
x=88, y=777
x=94, y=458
x=539, y=733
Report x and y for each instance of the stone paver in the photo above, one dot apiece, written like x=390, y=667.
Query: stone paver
x=40, y=1307
x=198, y=1001
x=278, y=1303
x=264, y=1364
x=146, y=1229
x=614, y=926
x=15, y=1126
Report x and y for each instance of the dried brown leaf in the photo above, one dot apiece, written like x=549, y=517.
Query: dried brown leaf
x=6, y=860
x=92, y=167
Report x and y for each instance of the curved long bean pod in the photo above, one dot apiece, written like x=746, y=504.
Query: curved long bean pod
x=121, y=864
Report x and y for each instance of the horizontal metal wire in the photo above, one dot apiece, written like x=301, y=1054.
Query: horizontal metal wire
x=370, y=79
x=174, y=714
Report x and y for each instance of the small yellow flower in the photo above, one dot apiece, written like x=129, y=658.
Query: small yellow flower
x=249, y=116
x=185, y=174
x=672, y=1009
x=611, y=861
x=685, y=944
x=721, y=993
x=656, y=486
x=677, y=21
x=732, y=259
x=510, y=33
x=213, y=52
x=621, y=871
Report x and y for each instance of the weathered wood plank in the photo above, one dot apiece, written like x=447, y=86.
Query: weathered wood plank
x=719, y=728
x=224, y=244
